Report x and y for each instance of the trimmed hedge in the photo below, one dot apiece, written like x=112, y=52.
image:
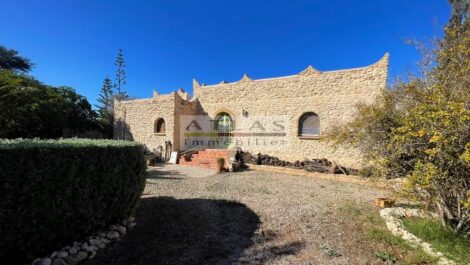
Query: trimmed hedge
x=53, y=192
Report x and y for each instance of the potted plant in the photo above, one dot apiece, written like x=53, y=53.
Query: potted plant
x=220, y=164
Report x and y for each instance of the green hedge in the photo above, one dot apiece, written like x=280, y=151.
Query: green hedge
x=53, y=192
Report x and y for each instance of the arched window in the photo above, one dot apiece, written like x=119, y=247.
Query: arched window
x=223, y=122
x=309, y=125
x=159, y=126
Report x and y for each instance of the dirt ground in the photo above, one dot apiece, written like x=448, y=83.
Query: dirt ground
x=244, y=218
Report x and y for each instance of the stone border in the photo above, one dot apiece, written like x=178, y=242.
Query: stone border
x=393, y=219
x=79, y=251
x=324, y=176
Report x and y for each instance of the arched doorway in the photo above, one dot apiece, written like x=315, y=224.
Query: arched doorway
x=223, y=124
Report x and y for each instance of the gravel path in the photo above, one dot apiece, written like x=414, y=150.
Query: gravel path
x=243, y=218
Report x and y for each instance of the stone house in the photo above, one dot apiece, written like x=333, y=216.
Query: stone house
x=282, y=117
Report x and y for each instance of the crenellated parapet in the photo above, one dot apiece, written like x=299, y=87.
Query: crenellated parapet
x=309, y=71
x=381, y=64
x=369, y=79
x=195, y=84
x=183, y=94
x=245, y=78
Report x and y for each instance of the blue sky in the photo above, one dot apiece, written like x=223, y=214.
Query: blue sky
x=167, y=43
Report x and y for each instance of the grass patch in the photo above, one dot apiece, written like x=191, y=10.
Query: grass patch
x=385, y=256
x=442, y=239
x=329, y=251
x=382, y=235
x=376, y=237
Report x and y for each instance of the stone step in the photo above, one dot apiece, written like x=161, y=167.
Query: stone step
x=206, y=158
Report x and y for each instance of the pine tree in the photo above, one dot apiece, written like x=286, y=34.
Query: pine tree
x=121, y=76
x=105, y=108
x=106, y=98
x=11, y=60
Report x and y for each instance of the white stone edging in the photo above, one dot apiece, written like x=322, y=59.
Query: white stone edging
x=393, y=219
x=79, y=251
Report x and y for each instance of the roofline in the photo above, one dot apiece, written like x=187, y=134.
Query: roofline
x=384, y=57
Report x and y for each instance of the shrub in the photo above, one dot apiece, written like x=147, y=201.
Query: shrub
x=220, y=164
x=220, y=161
x=53, y=192
x=27, y=107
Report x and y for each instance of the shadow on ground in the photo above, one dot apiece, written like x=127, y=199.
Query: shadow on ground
x=186, y=231
x=165, y=174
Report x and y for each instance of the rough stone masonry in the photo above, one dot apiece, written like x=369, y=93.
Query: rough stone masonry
x=330, y=97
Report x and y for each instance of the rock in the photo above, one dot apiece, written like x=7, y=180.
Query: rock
x=113, y=227
x=73, y=250
x=84, y=245
x=53, y=255
x=312, y=165
x=124, y=222
x=131, y=219
x=94, y=242
x=393, y=220
x=59, y=262
x=105, y=240
x=46, y=261
x=101, y=234
x=102, y=245
x=122, y=230
x=62, y=254
x=92, y=255
x=71, y=260
x=91, y=248
x=81, y=255
x=112, y=235
x=130, y=225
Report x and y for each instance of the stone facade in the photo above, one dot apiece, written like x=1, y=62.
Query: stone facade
x=332, y=95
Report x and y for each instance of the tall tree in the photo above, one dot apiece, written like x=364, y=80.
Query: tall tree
x=10, y=60
x=29, y=108
x=27, y=105
x=77, y=111
x=121, y=76
x=105, y=108
x=106, y=97
x=453, y=63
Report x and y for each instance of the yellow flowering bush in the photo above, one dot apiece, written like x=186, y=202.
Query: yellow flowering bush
x=420, y=129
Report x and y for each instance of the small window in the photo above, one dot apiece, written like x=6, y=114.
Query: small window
x=309, y=125
x=159, y=126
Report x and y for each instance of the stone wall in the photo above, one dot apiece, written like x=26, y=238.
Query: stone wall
x=331, y=95
x=184, y=107
x=134, y=120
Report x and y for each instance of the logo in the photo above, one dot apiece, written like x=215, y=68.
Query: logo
x=262, y=133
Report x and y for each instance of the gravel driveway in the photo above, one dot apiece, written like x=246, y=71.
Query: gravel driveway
x=243, y=218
